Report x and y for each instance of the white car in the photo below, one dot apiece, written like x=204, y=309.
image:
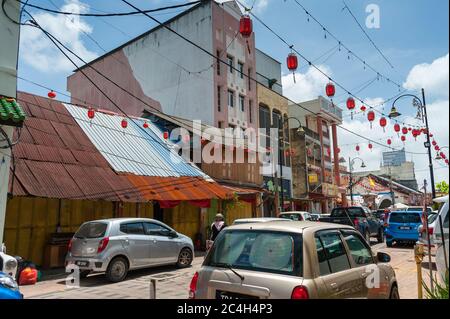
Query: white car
x=441, y=253
x=296, y=215
x=423, y=236
x=8, y=264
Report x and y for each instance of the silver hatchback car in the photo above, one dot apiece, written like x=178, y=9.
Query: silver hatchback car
x=117, y=245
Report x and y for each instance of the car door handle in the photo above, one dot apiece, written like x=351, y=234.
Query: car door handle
x=334, y=286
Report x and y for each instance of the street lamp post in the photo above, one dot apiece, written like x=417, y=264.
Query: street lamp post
x=421, y=114
x=351, y=162
x=300, y=130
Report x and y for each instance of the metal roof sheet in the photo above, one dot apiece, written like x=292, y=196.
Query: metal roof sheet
x=133, y=149
x=55, y=158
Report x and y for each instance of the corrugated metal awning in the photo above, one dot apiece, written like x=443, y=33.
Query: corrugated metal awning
x=180, y=188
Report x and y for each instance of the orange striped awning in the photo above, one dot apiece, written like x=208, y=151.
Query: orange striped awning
x=178, y=188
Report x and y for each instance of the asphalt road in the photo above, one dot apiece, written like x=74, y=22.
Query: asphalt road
x=173, y=283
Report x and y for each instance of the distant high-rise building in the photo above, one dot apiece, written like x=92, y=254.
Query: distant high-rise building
x=394, y=158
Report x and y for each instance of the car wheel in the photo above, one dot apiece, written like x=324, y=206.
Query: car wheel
x=388, y=243
x=394, y=293
x=184, y=258
x=380, y=236
x=84, y=273
x=117, y=269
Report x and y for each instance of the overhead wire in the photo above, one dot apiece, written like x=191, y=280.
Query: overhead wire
x=204, y=50
x=367, y=35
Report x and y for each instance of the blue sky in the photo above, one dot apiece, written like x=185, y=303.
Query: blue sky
x=412, y=34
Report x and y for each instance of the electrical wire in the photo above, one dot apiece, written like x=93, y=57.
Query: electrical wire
x=291, y=47
x=341, y=44
x=164, y=25
x=367, y=35
x=116, y=14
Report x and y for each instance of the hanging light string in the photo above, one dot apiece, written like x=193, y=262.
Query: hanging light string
x=310, y=63
x=367, y=35
x=204, y=50
x=342, y=45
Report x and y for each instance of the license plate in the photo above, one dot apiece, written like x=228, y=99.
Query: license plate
x=82, y=263
x=232, y=295
x=404, y=228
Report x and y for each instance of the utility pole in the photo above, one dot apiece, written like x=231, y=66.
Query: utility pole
x=9, y=37
x=425, y=217
x=428, y=146
x=391, y=189
x=350, y=181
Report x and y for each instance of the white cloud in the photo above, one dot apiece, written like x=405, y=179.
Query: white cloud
x=40, y=53
x=258, y=6
x=307, y=85
x=434, y=77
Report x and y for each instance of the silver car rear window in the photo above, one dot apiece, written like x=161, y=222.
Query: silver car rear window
x=92, y=230
x=273, y=252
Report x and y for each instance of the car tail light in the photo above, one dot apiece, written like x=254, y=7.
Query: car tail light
x=69, y=245
x=300, y=292
x=356, y=222
x=193, y=286
x=102, y=245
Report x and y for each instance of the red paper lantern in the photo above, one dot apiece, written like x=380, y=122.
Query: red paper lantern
x=351, y=103
x=292, y=62
x=330, y=90
x=434, y=143
x=91, y=113
x=363, y=108
x=51, y=94
x=371, y=117
x=431, y=135
x=404, y=130
x=397, y=128
x=246, y=26
x=409, y=129
x=357, y=148
x=403, y=138
x=437, y=148
x=166, y=135
x=389, y=141
x=383, y=123
x=446, y=161
x=442, y=154
x=415, y=133
x=351, y=106
x=370, y=146
x=124, y=123
x=145, y=125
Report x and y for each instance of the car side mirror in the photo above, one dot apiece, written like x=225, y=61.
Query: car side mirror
x=173, y=234
x=383, y=257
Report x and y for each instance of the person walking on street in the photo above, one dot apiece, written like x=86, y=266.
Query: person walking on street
x=216, y=227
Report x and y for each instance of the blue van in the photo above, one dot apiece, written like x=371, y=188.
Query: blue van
x=403, y=226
